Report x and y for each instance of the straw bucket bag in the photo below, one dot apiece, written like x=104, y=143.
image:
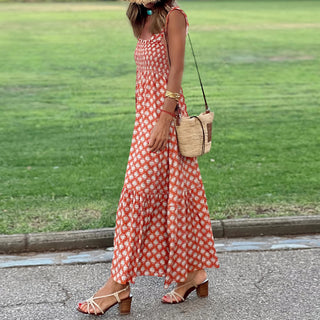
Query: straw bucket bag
x=194, y=133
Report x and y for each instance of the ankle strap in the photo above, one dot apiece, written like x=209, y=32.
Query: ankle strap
x=115, y=294
x=192, y=282
x=187, y=283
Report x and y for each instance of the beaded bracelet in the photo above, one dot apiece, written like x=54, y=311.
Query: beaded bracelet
x=173, y=95
x=171, y=114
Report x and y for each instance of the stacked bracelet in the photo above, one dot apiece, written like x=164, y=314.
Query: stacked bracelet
x=171, y=114
x=173, y=95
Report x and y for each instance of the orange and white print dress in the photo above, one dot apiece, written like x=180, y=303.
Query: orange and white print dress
x=163, y=226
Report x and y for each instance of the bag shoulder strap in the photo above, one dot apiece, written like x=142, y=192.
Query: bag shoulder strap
x=194, y=56
x=195, y=62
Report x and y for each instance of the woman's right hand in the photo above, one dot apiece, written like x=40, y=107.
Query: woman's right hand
x=160, y=133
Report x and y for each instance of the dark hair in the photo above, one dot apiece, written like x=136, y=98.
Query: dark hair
x=137, y=15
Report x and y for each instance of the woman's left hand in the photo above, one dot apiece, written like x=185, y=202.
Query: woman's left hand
x=160, y=133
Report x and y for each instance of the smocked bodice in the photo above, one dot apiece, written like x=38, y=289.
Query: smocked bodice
x=151, y=55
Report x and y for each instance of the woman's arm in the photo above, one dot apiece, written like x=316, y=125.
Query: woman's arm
x=176, y=43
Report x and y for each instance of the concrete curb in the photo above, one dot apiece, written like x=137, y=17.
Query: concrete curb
x=103, y=238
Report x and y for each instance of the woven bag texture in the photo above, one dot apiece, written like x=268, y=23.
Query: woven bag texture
x=194, y=136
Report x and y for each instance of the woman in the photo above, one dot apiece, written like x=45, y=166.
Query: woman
x=163, y=226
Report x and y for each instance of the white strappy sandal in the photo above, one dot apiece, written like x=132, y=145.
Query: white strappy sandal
x=124, y=305
x=202, y=292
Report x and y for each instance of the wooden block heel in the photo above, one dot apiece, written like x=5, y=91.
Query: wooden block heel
x=125, y=305
x=203, y=289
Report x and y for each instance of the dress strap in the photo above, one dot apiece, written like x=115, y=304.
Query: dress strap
x=180, y=10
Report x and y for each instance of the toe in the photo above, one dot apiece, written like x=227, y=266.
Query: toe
x=80, y=306
x=165, y=298
x=83, y=307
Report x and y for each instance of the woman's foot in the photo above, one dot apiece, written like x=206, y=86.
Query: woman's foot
x=105, y=303
x=194, y=278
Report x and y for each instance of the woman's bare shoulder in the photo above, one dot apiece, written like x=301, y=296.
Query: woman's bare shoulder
x=177, y=19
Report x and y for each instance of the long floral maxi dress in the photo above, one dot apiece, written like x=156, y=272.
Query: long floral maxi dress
x=163, y=226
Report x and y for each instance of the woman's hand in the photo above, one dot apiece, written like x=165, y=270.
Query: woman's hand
x=160, y=133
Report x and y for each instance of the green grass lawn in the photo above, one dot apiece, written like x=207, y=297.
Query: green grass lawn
x=67, y=81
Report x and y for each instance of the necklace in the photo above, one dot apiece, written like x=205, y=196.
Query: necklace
x=149, y=12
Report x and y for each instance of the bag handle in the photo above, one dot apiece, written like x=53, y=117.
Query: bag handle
x=196, y=64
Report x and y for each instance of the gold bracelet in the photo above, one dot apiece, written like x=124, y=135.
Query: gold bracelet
x=173, y=95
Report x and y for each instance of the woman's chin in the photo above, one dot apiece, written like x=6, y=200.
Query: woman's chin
x=149, y=6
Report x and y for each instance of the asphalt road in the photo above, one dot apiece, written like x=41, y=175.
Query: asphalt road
x=255, y=284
